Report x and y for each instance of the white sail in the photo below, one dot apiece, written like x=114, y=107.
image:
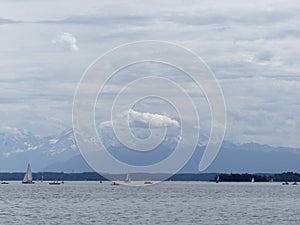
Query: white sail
x=127, y=180
x=252, y=180
x=28, y=176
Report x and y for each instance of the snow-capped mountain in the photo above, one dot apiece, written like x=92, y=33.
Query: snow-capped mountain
x=59, y=153
x=18, y=146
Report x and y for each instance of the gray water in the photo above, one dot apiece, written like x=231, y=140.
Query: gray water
x=165, y=203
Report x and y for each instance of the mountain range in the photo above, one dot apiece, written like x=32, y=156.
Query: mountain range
x=60, y=154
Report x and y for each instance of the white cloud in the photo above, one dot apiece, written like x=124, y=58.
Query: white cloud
x=67, y=40
x=143, y=120
x=139, y=126
x=156, y=120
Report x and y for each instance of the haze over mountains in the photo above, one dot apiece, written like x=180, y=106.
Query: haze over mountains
x=60, y=154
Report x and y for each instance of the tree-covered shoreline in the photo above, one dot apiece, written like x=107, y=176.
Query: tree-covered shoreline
x=223, y=177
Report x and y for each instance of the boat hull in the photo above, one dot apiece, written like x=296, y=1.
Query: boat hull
x=27, y=182
x=54, y=183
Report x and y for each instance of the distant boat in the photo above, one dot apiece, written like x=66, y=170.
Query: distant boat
x=127, y=179
x=54, y=183
x=28, y=176
x=217, y=179
x=3, y=182
x=285, y=183
x=252, y=181
x=114, y=183
x=147, y=182
x=295, y=183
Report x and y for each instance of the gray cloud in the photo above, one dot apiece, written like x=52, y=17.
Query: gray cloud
x=9, y=21
x=253, y=49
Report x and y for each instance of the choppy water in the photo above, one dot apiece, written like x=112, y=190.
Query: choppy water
x=165, y=203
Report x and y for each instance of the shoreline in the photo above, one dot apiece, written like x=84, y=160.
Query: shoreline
x=93, y=176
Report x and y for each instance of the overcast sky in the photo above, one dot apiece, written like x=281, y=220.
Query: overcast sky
x=253, y=48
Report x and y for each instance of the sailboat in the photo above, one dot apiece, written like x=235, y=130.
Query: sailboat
x=28, y=176
x=217, y=179
x=127, y=179
x=252, y=181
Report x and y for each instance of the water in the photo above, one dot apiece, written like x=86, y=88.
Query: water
x=165, y=203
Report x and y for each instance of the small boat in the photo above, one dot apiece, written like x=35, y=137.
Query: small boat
x=115, y=183
x=28, y=176
x=285, y=183
x=3, y=182
x=295, y=183
x=252, y=181
x=147, y=182
x=127, y=179
x=54, y=183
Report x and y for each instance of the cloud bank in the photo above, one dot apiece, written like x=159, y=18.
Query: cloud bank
x=252, y=47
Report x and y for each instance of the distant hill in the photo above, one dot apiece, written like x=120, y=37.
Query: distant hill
x=256, y=158
x=250, y=158
x=74, y=164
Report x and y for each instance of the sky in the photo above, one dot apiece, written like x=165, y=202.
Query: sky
x=253, y=49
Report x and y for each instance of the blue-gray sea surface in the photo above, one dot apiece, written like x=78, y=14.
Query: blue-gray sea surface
x=164, y=203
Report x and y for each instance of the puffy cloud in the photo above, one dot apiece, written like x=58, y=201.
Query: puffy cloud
x=139, y=125
x=68, y=40
x=156, y=120
x=143, y=120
